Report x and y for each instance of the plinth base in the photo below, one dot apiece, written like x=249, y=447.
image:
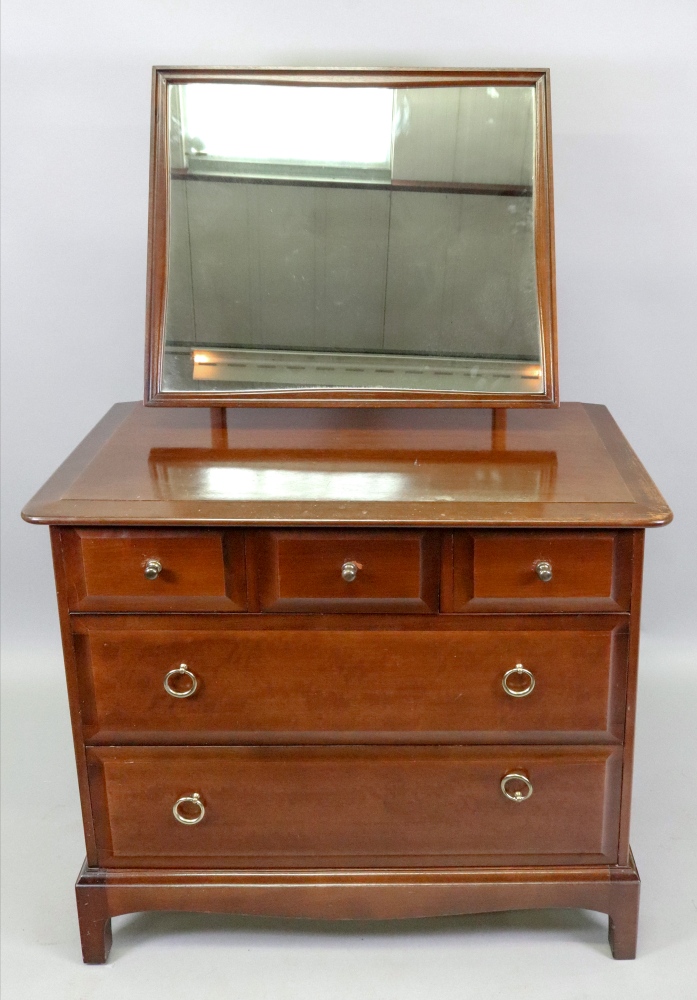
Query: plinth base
x=357, y=895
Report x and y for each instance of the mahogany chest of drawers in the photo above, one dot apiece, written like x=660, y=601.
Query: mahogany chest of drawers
x=348, y=664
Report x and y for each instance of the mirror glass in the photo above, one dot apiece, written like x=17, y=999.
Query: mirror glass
x=352, y=237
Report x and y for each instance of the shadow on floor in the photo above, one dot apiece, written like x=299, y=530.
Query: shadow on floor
x=135, y=929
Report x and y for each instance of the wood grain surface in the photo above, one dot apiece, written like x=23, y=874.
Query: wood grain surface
x=569, y=467
x=301, y=570
x=365, y=685
x=202, y=570
x=360, y=895
x=494, y=571
x=337, y=738
x=367, y=807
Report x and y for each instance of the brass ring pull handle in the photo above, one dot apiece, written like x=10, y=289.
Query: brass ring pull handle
x=518, y=671
x=349, y=571
x=516, y=796
x=543, y=568
x=196, y=800
x=153, y=568
x=181, y=670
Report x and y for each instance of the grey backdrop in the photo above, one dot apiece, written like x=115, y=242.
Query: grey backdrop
x=76, y=92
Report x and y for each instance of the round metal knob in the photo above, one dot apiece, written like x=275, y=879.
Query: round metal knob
x=544, y=570
x=516, y=796
x=195, y=800
x=349, y=571
x=153, y=568
x=182, y=670
x=518, y=671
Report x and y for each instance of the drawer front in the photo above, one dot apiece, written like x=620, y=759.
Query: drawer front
x=351, y=807
x=541, y=571
x=306, y=684
x=354, y=571
x=188, y=570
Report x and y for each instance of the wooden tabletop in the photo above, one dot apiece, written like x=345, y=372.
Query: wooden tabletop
x=546, y=467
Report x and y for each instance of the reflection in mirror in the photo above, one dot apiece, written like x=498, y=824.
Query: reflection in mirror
x=352, y=237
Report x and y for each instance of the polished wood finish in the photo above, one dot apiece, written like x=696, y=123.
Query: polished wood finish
x=350, y=754
x=94, y=917
x=307, y=681
x=301, y=570
x=362, y=895
x=74, y=697
x=158, y=240
x=495, y=571
x=201, y=570
x=291, y=807
x=624, y=912
x=624, y=853
x=564, y=468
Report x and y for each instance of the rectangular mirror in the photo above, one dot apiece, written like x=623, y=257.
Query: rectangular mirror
x=351, y=238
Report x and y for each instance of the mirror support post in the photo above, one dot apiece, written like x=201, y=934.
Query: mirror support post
x=498, y=429
x=219, y=426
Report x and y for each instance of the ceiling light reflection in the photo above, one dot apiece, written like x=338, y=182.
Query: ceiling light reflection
x=236, y=483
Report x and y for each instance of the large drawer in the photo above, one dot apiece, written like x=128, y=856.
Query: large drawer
x=541, y=571
x=347, y=571
x=311, y=679
x=140, y=569
x=354, y=806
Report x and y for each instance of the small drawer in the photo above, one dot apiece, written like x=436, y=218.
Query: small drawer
x=354, y=571
x=146, y=570
x=277, y=807
x=321, y=684
x=538, y=571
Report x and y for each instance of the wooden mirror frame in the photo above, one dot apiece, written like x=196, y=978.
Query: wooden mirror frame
x=343, y=397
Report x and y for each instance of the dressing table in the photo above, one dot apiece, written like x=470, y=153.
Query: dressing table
x=350, y=608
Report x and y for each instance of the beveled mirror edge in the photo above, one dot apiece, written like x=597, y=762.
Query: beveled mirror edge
x=332, y=397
